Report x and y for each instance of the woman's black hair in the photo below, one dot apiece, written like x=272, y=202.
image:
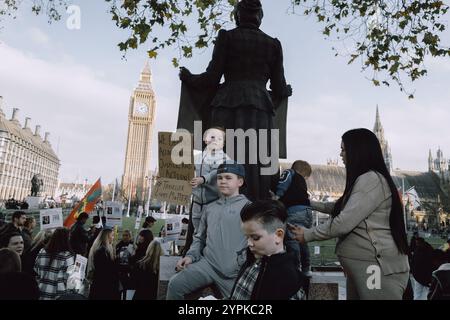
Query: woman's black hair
x=148, y=237
x=363, y=154
x=59, y=242
x=148, y=221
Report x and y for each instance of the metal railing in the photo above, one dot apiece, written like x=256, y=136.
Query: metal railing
x=325, y=256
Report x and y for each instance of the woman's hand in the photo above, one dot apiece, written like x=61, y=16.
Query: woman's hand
x=298, y=232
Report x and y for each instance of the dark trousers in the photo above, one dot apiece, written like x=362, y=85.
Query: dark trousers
x=301, y=251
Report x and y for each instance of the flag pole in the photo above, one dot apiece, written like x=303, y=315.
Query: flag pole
x=403, y=204
x=114, y=190
x=129, y=201
x=147, y=205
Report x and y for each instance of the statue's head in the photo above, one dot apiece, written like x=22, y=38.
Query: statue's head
x=248, y=12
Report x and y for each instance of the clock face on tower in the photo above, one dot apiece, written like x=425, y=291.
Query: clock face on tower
x=141, y=108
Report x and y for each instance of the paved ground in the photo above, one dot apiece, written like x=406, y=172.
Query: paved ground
x=331, y=277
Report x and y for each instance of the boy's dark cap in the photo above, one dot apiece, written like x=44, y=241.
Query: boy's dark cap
x=232, y=167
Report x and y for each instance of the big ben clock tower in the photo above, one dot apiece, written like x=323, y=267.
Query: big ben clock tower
x=140, y=127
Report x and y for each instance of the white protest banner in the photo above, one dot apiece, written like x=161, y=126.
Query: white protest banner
x=51, y=218
x=172, y=191
x=139, y=217
x=113, y=213
x=80, y=267
x=316, y=250
x=172, y=229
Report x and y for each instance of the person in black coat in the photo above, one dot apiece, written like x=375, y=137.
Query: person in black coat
x=440, y=283
x=143, y=241
x=422, y=268
x=27, y=233
x=79, y=236
x=146, y=273
x=14, y=284
x=269, y=273
x=102, y=268
x=18, y=286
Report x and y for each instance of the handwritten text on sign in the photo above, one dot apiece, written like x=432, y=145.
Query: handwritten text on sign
x=172, y=191
x=183, y=151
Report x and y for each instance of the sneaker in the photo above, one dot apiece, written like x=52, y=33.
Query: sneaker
x=307, y=272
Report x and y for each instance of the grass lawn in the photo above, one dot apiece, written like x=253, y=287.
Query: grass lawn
x=129, y=223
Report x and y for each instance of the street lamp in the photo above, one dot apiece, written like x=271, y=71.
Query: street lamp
x=147, y=205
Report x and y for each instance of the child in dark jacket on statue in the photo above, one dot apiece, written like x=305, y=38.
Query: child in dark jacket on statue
x=269, y=273
x=292, y=191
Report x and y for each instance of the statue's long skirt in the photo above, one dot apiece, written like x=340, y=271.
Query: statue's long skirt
x=258, y=184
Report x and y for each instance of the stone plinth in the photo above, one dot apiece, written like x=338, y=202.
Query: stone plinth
x=34, y=202
x=167, y=270
x=327, y=286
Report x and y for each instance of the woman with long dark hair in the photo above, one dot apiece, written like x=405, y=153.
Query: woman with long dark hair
x=368, y=222
x=52, y=263
x=143, y=240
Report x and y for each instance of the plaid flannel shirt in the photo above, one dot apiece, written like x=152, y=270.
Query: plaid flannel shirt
x=245, y=284
x=52, y=275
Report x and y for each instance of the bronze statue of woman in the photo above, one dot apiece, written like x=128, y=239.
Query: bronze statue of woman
x=247, y=58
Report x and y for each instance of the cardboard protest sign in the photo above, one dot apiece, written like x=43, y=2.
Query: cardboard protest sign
x=51, y=218
x=176, y=159
x=172, y=191
x=113, y=213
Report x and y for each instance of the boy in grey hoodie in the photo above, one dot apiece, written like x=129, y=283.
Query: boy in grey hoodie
x=212, y=257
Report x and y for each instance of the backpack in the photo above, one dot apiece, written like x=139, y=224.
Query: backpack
x=440, y=284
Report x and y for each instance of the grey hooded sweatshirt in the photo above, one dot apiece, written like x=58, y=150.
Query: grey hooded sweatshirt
x=206, y=165
x=219, y=237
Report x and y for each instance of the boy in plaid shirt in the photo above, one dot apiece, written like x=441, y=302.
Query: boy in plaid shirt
x=269, y=273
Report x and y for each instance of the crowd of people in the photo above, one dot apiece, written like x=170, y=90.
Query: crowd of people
x=247, y=250
x=39, y=268
x=248, y=231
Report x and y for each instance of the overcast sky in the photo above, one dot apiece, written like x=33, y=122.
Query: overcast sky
x=75, y=84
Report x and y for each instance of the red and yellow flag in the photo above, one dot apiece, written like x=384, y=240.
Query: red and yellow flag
x=85, y=205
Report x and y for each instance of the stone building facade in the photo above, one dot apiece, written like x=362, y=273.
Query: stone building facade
x=24, y=153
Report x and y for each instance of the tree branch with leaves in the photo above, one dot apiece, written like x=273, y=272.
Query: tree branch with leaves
x=391, y=39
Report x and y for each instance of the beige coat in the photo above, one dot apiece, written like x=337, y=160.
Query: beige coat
x=363, y=225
